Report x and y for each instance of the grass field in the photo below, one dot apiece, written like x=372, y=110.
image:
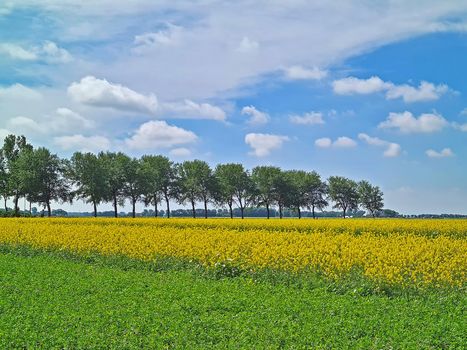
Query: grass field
x=59, y=296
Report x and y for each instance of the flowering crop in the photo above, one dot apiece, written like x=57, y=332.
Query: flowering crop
x=399, y=252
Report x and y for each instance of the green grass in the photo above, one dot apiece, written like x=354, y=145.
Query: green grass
x=49, y=301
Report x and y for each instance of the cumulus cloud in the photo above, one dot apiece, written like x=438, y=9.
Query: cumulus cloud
x=311, y=118
x=159, y=134
x=340, y=142
x=180, y=152
x=82, y=143
x=392, y=149
x=301, y=73
x=352, y=85
x=48, y=52
x=407, y=123
x=424, y=92
x=444, y=153
x=101, y=93
x=264, y=144
x=192, y=110
x=256, y=117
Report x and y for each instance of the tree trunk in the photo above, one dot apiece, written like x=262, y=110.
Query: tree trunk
x=299, y=213
x=30, y=208
x=133, y=203
x=115, y=206
x=5, y=200
x=242, y=209
x=205, y=209
x=156, y=214
x=267, y=209
x=49, y=211
x=193, y=209
x=345, y=209
x=280, y=211
x=95, y=208
x=313, y=211
x=168, y=205
x=231, y=210
x=16, y=205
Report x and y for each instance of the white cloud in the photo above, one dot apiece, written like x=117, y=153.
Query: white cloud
x=444, y=153
x=19, y=91
x=302, y=73
x=264, y=144
x=180, y=152
x=311, y=118
x=66, y=119
x=170, y=36
x=247, y=45
x=392, y=149
x=22, y=124
x=256, y=117
x=340, y=142
x=324, y=142
x=48, y=52
x=4, y=133
x=352, y=85
x=192, y=110
x=82, y=143
x=159, y=134
x=424, y=92
x=408, y=124
x=101, y=93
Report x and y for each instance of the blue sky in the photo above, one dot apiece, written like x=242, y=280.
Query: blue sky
x=368, y=90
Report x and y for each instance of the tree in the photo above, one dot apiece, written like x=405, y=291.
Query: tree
x=87, y=173
x=162, y=180
x=370, y=197
x=264, y=179
x=344, y=192
x=134, y=181
x=43, y=176
x=298, y=183
x=3, y=180
x=196, y=183
x=235, y=186
x=114, y=169
x=282, y=189
x=152, y=191
x=13, y=147
x=316, y=193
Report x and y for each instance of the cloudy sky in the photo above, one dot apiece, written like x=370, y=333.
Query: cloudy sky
x=366, y=89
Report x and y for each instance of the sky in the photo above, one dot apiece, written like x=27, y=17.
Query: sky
x=370, y=90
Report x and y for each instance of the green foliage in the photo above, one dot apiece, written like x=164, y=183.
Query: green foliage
x=370, y=197
x=97, y=302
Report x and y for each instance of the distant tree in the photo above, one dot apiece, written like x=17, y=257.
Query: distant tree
x=13, y=147
x=152, y=191
x=134, y=181
x=196, y=182
x=299, y=182
x=264, y=180
x=344, y=193
x=316, y=193
x=43, y=176
x=235, y=186
x=87, y=173
x=114, y=169
x=163, y=178
x=282, y=191
x=370, y=197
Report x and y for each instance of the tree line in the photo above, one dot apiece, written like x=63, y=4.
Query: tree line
x=42, y=177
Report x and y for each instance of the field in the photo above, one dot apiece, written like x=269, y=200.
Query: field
x=183, y=283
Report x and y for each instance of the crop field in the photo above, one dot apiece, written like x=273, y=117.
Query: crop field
x=221, y=283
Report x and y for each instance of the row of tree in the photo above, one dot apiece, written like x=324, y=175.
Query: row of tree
x=108, y=177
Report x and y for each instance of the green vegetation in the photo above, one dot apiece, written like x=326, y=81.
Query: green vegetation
x=55, y=300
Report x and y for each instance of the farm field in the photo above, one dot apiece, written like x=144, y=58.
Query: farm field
x=221, y=283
